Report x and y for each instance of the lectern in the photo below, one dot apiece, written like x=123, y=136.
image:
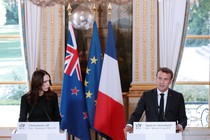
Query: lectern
x=154, y=130
x=38, y=131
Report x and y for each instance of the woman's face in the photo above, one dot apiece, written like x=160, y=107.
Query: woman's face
x=46, y=83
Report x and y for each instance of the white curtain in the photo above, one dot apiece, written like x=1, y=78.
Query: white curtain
x=171, y=26
x=32, y=32
x=44, y=38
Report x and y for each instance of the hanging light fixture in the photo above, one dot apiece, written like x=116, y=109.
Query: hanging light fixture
x=82, y=17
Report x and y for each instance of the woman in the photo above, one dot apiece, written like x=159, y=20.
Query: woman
x=40, y=104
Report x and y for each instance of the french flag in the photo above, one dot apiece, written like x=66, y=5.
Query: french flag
x=109, y=115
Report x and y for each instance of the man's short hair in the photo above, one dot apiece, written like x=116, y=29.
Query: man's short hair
x=166, y=70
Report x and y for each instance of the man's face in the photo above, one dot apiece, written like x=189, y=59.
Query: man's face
x=163, y=81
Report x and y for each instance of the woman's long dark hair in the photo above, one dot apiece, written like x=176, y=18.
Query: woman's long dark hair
x=36, y=85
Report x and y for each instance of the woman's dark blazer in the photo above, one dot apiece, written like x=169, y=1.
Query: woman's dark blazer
x=175, y=108
x=44, y=110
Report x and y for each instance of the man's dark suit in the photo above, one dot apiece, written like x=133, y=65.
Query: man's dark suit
x=175, y=108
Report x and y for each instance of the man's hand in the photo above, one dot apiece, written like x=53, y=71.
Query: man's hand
x=179, y=128
x=127, y=129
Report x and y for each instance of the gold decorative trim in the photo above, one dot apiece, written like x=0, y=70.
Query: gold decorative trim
x=192, y=83
x=198, y=37
x=52, y=41
x=142, y=87
x=13, y=82
x=152, y=41
x=44, y=41
x=56, y=87
x=60, y=42
x=10, y=36
x=145, y=40
x=5, y=137
x=137, y=40
x=143, y=84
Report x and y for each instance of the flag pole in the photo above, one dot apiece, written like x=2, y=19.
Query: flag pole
x=69, y=9
x=94, y=12
x=109, y=11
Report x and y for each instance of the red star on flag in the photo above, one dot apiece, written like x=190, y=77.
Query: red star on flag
x=74, y=91
x=85, y=115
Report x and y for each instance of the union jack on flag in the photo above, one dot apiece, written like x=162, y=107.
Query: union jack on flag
x=72, y=59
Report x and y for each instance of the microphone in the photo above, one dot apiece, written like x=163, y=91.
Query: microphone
x=148, y=108
x=162, y=114
x=164, y=117
x=158, y=109
x=47, y=114
x=29, y=115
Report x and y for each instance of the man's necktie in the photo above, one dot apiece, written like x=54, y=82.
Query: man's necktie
x=161, y=111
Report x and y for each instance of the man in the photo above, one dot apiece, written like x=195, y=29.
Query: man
x=173, y=105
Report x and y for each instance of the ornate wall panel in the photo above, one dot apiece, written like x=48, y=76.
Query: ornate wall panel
x=145, y=45
x=52, y=42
